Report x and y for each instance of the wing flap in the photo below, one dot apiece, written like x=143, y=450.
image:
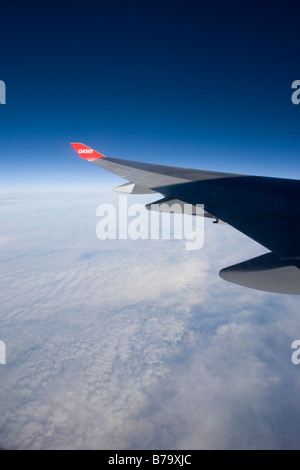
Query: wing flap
x=176, y=206
x=133, y=188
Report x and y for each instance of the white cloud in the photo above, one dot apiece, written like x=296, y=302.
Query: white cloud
x=136, y=344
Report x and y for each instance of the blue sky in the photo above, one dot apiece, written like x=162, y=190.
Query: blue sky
x=180, y=83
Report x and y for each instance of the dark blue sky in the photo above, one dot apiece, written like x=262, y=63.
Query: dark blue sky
x=184, y=83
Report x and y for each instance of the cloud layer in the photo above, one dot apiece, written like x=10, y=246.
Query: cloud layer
x=121, y=344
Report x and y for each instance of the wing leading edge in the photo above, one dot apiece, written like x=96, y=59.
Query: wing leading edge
x=263, y=208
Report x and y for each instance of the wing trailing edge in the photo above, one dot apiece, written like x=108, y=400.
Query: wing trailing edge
x=267, y=273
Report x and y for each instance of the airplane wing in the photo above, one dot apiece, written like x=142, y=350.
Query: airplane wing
x=263, y=208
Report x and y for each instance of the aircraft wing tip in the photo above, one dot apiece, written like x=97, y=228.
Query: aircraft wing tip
x=86, y=152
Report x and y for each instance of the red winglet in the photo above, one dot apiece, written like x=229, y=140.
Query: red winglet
x=86, y=152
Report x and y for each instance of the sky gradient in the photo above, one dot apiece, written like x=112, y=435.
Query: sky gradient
x=179, y=83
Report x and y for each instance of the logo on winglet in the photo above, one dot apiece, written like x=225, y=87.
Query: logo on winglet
x=85, y=151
